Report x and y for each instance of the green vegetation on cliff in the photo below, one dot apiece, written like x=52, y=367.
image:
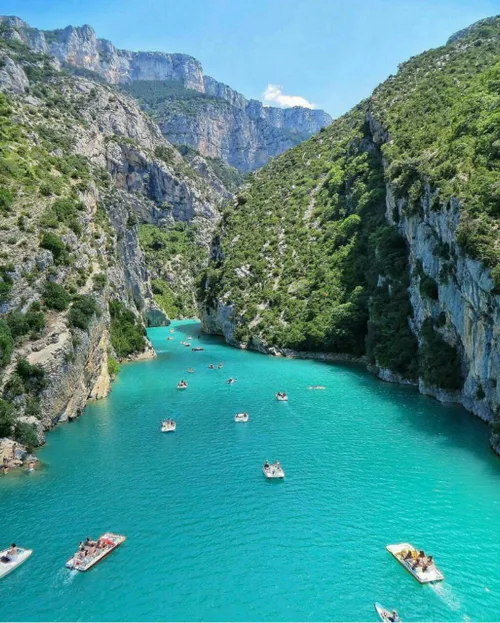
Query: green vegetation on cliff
x=173, y=256
x=306, y=257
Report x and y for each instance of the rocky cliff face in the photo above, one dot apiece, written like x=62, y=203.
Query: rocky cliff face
x=384, y=227
x=221, y=124
x=82, y=167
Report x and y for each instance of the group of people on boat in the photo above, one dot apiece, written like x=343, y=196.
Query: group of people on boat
x=182, y=384
x=419, y=560
x=230, y=380
x=11, y=554
x=89, y=549
x=273, y=469
x=211, y=366
x=167, y=423
x=281, y=396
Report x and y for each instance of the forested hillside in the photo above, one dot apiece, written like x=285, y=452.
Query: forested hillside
x=379, y=236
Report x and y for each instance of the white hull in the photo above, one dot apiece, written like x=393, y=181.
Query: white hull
x=241, y=417
x=7, y=567
x=383, y=613
x=282, y=399
x=424, y=577
x=168, y=429
x=88, y=563
x=274, y=473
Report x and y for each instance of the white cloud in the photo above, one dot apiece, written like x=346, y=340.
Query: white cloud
x=274, y=94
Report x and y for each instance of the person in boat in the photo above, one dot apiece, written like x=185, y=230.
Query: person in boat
x=394, y=617
x=11, y=554
x=266, y=465
x=408, y=555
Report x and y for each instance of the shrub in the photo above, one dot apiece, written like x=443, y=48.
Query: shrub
x=55, y=296
x=113, y=367
x=6, y=344
x=32, y=376
x=20, y=324
x=56, y=246
x=127, y=332
x=26, y=434
x=83, y=309
x=6, y=418
x=6, y=199
x=100, y=281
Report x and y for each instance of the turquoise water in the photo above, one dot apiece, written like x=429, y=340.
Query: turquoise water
x=209, y=538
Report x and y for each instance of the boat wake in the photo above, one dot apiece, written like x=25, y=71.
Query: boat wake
x=445, y=593
x=68, y=576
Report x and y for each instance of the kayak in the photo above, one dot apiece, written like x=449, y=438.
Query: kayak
x=15, y=561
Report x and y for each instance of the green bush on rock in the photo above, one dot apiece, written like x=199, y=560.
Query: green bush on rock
x=127, y=331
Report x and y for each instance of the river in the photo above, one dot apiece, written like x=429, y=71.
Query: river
x=209, y=538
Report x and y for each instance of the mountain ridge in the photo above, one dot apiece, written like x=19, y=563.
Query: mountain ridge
x=245, y=135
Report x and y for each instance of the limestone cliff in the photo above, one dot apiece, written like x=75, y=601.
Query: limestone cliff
x=220, y=123
x=81, y=167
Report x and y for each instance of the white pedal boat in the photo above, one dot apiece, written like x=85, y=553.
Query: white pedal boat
x=14, y=561
x=431, y=574
x=273, y=470
x=170, y=338
x=167, y=427
x=231, y=381
x=84, y=563
x=197, y=349
x=182, y=385
x=282, y=396
x=384, y=614
x=241, y=417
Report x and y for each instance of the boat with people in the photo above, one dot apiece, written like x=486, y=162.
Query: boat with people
x=169, y=338
x=241, y=417
x=182, y=384
x=172, y=330
x=187, y=344
x=282, y=396
x=386, y=615
x=191, y=370
x=416, y=562
x=211, y=366
x=316, y=387
x=221, y=365
x=230, y=381
x=273, y=470
x=197, y=349
x=189, y=337
x=168, y=426
x=13, y=557
x=91, y=552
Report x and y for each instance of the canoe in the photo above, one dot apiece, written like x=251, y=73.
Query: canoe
x=383, y=613
x=432, y=574
x=112, y=542
x=7, y=567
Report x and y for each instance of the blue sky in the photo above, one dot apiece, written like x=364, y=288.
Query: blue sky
x=330, y=52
